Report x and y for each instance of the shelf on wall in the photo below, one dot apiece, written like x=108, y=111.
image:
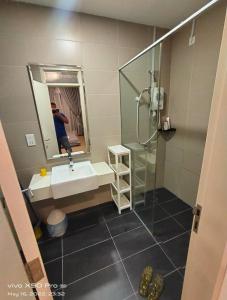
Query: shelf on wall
x=168, y=130
x=167, y=134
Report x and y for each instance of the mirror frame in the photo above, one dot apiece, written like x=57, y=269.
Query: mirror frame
x=59, y=67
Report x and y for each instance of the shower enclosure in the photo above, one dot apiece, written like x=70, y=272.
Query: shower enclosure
x=145, y=104
x=140, y=115
x=172, y=77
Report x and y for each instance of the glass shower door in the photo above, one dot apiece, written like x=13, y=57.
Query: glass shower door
x=139, y=88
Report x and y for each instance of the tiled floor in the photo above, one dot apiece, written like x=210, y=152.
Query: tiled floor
x=103, y=254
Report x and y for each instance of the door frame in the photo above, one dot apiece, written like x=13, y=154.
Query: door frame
x=19, y=214
x=220, y=291
x=207, y=246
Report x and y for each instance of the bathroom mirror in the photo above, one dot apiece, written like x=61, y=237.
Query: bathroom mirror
x=60, y=102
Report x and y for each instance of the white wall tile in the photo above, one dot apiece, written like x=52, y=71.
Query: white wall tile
x=100, y=144
x=109, y=105
x=15, y=133
x=104, y=126
x=99, y=56
x=98, y=30
x=191, y=89
x=125, y=54
x=28, y=157
x=188, y=183
x=134, y=35
x=18, y=109
x=101, y=82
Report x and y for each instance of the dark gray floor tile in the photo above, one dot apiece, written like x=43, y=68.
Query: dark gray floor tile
x=83, y=219
x=85, y=237
x=172, y=287
x=123, y=223
x=177, y=249
x=110, y=211
x=185, y=219
x=89, y=260
x=58, y=294
x=154, y=257
x=110, y=283
x=134, y=297
x=163, y=195
x=175, y=206
x=148, y=201
x=54, y=273
x=182, y=270
x=152, y=214
x=165, y=229
x=50, y=249
x=133, y=241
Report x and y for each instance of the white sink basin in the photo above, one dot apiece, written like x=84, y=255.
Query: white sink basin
x=66, y=181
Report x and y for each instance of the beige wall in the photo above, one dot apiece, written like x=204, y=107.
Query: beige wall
x=192, y=76
x=41, y=35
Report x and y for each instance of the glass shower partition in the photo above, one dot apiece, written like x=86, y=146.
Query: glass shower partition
x=140, y=118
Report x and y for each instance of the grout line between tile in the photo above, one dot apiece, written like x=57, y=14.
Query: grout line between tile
x=62, y=277
x=171, y=199
x=169, y=215
x=175, y=237
x=170, y=260
x=168, y=274
x=84, y=248
x=118, y=261
x=52, y=260
x=76, y=251
x=119, y=216
x=86, y=276
x=73, y=252
x=122, y=233
x=62, y=266
x=121, y=260
x=178, y=222
x=172, y=216
x=141, y=251
x=133, y=294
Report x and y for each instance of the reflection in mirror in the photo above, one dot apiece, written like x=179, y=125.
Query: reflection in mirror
x=60, y=102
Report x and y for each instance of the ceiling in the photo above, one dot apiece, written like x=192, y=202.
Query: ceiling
x=162, y=13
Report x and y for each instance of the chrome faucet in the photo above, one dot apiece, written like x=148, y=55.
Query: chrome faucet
x=71, y=164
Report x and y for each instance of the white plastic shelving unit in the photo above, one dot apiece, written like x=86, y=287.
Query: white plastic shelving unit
x=120, y=187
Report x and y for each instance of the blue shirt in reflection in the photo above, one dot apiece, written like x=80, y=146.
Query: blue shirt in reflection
x=59, y=127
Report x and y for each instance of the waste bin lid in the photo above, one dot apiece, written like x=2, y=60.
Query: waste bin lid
x=56, y=216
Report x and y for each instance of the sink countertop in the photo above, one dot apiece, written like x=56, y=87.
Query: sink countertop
x=41, y=185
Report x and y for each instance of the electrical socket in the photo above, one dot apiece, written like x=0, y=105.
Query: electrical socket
x=30, y=138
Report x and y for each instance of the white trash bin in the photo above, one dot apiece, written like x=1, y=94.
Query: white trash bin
x=57, y=223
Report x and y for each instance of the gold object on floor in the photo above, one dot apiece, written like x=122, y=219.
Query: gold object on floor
x=145, y=281
x=156, y=288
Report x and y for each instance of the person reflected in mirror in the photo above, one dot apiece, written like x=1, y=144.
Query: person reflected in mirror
x=59, y=122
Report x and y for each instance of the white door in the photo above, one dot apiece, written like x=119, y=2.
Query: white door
x=207, y=246
x=14, y=281
x=42, y=100
x=21, y=223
